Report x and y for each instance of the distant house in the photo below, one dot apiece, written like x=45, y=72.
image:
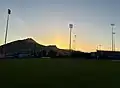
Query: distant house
x=2, y=56
x=23, y=55
x=107, y=54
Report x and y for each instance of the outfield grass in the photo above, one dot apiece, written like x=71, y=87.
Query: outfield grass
x=37, y=73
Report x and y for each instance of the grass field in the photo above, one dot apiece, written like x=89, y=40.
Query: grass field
x=37, y=73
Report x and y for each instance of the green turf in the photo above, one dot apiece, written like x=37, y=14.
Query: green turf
x=37, y=73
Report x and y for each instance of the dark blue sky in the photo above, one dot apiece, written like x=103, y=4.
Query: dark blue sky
x=47, y=21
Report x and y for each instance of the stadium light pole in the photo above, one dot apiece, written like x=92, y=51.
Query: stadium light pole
x=113, y=42
x=70, y=27
x=6, y=31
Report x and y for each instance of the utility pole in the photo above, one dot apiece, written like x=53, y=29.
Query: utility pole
x=74, y=42
x=99, y=47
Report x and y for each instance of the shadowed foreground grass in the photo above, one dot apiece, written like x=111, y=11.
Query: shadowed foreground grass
x=36, y=73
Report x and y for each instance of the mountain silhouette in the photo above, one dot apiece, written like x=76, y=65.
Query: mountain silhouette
x=25, y=45
x=31, y=47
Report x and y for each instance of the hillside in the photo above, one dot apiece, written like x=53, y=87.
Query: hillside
x=25, y=45
x=29, y=46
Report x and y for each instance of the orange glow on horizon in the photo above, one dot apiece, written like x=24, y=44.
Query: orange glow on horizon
x=60, y=42
x=63, y=43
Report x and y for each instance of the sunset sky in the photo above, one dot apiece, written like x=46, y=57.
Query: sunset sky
x=47, y=21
